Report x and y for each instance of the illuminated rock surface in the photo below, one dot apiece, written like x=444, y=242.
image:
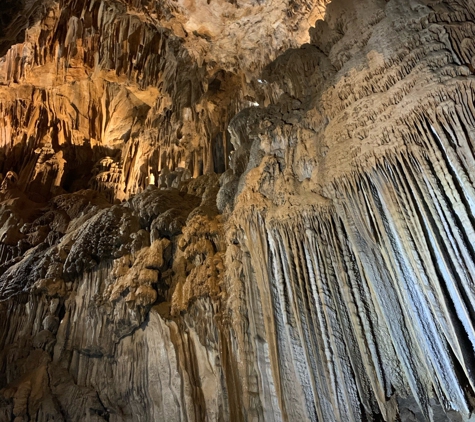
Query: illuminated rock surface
x=210, y=212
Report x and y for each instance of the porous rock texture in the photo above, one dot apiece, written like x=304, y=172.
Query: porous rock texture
x=212, y=212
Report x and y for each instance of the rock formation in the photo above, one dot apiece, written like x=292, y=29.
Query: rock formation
x=237, y=211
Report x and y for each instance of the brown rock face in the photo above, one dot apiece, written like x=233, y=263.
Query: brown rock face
x=209, y=212
x=108, y=94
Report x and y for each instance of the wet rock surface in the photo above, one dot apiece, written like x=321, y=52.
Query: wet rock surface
x=203, y=217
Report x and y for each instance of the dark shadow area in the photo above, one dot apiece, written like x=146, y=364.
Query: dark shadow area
x=10, y=13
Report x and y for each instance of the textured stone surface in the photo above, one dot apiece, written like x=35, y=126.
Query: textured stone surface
x=108, y=94
x=203, y=217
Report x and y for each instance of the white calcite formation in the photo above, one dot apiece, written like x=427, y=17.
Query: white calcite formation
x=227, y=211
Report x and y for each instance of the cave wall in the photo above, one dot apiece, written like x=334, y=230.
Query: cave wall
x=358, y=196
x=212, y=219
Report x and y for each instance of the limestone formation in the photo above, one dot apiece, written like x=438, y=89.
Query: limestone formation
x=237, y=211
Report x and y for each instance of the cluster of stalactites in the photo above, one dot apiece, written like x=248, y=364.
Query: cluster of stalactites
x=372, y=296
